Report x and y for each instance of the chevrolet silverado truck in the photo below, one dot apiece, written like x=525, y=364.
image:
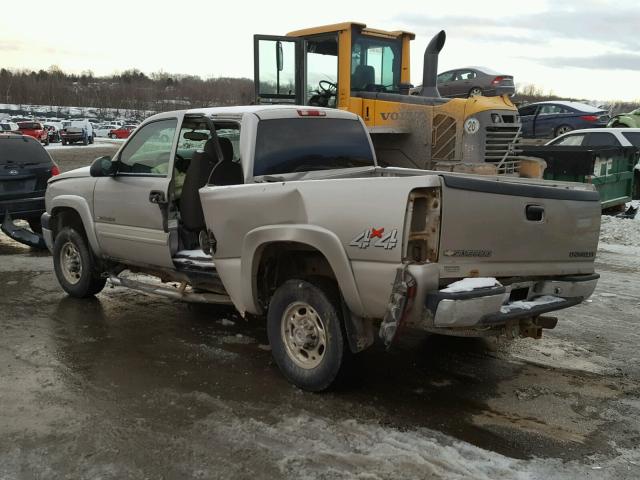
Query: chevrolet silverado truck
x=284, y=213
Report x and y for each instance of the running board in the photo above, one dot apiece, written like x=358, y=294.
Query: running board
x=175, y=293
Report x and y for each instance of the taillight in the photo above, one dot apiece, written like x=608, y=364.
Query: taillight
x=589, y=118
x=55, y=170
x=422, y=225
x=312, y=113
x=497, y=80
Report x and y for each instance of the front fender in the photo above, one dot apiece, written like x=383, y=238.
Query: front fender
x=323, y=240
x=80, y=205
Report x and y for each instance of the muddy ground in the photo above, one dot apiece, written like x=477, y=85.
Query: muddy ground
x=134, y=386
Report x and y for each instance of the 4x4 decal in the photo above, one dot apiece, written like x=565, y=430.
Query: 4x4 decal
x=376, y=237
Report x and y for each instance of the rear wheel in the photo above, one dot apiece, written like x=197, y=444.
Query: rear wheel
x=563, y=129
x=620, y=125
x=75, y=267
x=305, y=333
x=475, y=92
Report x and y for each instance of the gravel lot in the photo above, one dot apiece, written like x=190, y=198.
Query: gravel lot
x=134, y=386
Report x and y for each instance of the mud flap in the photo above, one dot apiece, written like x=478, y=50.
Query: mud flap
x=22, y=235
x=400, y=302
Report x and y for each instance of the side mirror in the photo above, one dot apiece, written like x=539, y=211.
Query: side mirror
x=103, y=167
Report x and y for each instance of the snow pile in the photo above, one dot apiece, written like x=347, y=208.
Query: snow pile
x=528, y=305
x=622, y=231
x=307, y=446
x=469, y=284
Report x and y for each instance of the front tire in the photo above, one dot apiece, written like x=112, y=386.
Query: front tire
x=304, y=327
x=75, y=267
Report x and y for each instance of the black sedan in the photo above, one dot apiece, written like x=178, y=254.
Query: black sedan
x=25, y=167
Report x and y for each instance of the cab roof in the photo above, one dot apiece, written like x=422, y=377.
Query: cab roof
x=336, y=27
x=270, y=111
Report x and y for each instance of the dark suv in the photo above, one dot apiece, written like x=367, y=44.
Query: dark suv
x=25, y=167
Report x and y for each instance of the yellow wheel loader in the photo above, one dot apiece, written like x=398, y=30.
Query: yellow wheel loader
x=366, y=71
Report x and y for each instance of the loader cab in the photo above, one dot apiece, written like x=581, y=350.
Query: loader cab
x=327, y=66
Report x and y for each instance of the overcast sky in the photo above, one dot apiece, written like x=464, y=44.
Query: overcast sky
x=577, y=48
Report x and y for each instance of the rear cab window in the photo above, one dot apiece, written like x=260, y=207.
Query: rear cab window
x=289, y=145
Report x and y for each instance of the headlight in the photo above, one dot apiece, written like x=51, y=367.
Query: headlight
x=472, y=125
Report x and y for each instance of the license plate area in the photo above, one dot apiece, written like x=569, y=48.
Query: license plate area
x=17, y=186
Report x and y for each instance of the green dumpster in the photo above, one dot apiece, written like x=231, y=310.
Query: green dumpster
x=610, y=169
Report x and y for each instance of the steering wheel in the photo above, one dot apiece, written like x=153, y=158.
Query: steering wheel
x=327, y=87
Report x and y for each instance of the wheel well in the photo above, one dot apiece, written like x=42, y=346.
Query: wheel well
x=281, y=261
x=66, y=217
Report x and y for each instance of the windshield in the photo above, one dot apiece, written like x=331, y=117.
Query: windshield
x=290, y=145
x=375, y=64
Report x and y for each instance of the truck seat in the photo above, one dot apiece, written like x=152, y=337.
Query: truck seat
x=200, y=168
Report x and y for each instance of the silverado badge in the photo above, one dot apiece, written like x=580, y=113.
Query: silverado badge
x=377, y=237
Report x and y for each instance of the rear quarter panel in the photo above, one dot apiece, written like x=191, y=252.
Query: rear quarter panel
x=347, y=208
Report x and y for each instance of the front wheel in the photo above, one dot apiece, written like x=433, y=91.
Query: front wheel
x=305, y=333
x=75, y=267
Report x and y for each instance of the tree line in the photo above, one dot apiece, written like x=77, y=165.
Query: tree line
x=135, y=91
x=130, y=90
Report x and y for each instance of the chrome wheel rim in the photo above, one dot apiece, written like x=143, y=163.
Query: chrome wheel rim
x=70, y=263
x=304, y=335
x=475, y=92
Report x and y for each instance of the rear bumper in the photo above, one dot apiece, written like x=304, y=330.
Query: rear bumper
x=494, y=306
x=22, y=208
x=480, y=311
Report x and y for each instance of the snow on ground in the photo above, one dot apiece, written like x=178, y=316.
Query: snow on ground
x=307, y=446
x=98, y=143
x=621, y=231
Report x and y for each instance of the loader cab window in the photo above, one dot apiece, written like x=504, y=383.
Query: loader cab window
x=276, y=70
x=375, y=64
x=322, y=70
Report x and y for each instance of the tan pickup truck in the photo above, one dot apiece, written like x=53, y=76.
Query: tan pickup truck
x=283, y=212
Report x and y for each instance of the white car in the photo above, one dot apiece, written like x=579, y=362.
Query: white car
x=9, y=127
x=103, y=130
x=602, y=137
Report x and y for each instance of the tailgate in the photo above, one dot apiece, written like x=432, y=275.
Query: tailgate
x=507, y=228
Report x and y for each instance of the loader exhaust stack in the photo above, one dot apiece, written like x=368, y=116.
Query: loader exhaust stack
x=430, y=66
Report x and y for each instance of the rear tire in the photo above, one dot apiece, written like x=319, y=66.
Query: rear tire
x=475, y=92
x=304, y=325
x=75, y=266
x=562, y=129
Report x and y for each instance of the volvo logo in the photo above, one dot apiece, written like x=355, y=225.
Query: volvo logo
x=13, y=172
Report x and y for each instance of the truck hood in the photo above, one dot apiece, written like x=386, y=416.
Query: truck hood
x=77, y=173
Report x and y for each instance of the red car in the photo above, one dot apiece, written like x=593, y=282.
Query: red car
x=35, y=130
x=122, y=132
